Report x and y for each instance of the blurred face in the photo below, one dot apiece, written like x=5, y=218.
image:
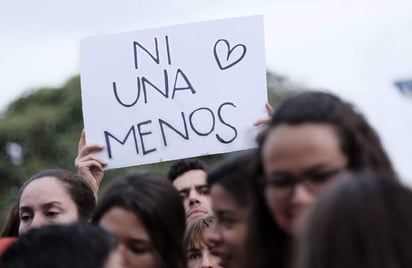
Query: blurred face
x=134, y=241
x=299, y=161
x=45, y=201
x=200, y=256
x=194, y=191
x=228, y=233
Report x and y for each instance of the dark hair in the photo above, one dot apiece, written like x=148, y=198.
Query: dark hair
x=11, y=224
x=194, y=231
x=364, y=222
x=76, y=186
x=183, y=166
x=78, y=245
x=267, y=244
x=358, y=141
x=156, y=203
x=233, y=174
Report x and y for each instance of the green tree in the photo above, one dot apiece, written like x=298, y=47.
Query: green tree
x=39, y=130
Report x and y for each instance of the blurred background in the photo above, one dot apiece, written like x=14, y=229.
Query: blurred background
x=361, y=50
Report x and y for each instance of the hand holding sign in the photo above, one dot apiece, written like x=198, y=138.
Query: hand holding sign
x=265, y=120
x=89, y=166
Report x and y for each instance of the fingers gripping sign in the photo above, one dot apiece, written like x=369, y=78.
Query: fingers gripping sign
x=265, y=120
x=89, y=166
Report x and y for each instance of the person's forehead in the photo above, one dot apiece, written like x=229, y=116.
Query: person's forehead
x=191, y=178
x=221, y=198
x=300, y=147
x=301, y=136
x=124, y=224
x=42, y=190
x=198, y=242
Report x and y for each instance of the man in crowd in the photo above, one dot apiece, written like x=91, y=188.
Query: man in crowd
x=189, y=178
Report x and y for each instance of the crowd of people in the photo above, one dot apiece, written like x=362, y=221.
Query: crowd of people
x=319, y=191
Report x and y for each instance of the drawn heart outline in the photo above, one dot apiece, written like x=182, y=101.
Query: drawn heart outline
x=229, y=52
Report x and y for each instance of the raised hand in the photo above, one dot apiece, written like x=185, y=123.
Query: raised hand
x=265, y=120
x=90, y=167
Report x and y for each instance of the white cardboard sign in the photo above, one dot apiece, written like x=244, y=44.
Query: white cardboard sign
x=174, y=92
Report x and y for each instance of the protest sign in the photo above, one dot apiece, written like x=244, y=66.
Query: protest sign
x=174, y=92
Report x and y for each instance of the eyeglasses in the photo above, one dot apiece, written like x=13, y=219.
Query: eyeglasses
x=282, y=184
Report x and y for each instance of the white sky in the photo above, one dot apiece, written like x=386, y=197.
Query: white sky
x=355, y=48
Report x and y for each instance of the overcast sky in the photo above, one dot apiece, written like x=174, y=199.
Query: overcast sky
x=354, y=48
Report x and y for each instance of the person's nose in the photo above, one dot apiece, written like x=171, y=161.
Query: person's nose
x=121, y=248
x=38, y=221
x=208, y=260
x=301, y=196
x=193, y=197
x=212, y=235
x=206, y=263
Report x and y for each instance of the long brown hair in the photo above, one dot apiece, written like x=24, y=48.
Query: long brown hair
x=156, y=203
x=269, y=245
x=365, y=222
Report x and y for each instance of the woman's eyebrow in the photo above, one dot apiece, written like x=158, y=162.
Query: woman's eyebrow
x=51, y=204
x=317, y=168
x=25, y=208
x=193, y=249
x=43, y=206
x=140, y=241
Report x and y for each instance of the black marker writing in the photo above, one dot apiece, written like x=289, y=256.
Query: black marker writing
x=181, y=83
x=153, y=55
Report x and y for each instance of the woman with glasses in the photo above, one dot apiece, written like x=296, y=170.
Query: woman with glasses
x=313, y=138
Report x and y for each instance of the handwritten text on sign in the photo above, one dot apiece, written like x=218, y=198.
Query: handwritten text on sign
x=174, y=92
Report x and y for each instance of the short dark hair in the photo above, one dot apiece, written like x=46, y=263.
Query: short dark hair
x=157, y=204
x=77, y=245
x=264, y=236
x=234, y=173
x=76, y=186
x=183, y=166
x=364, y=222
